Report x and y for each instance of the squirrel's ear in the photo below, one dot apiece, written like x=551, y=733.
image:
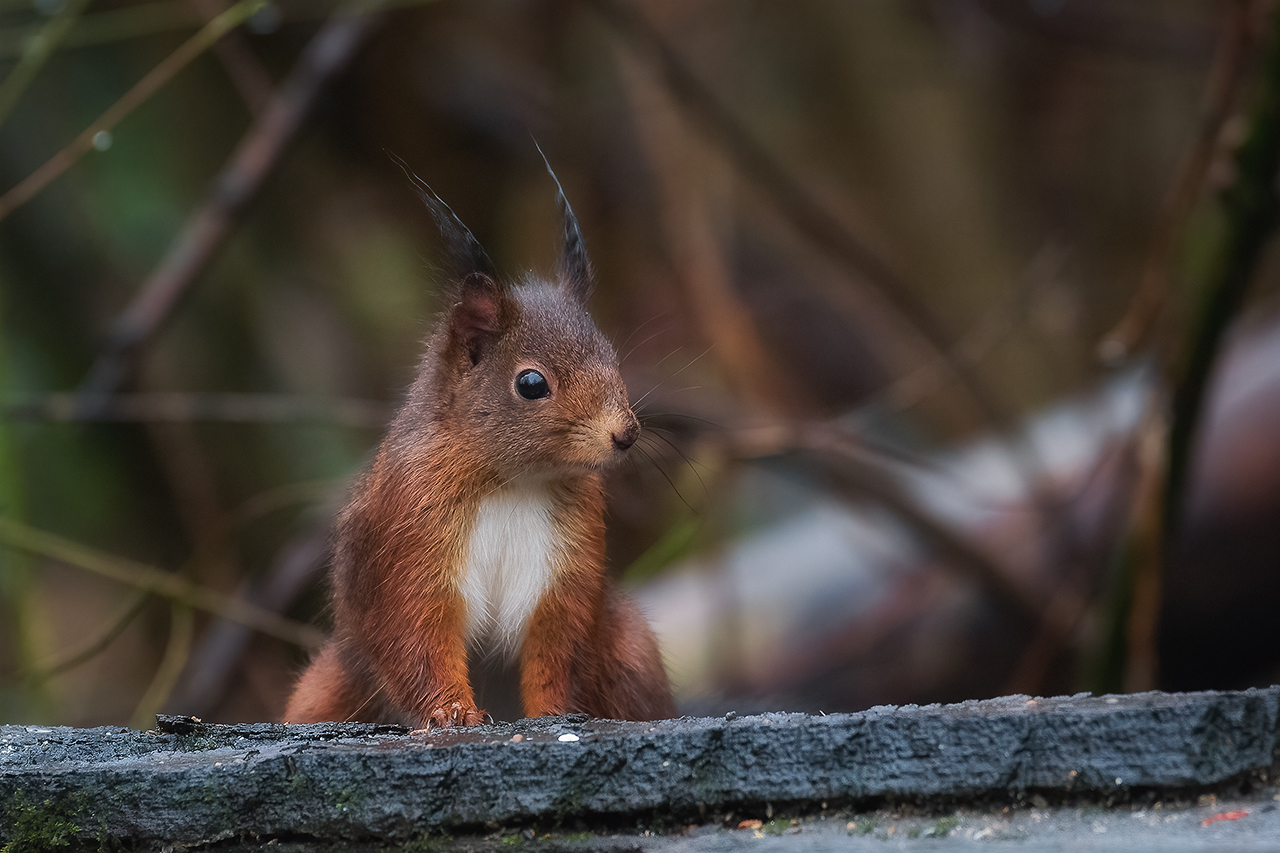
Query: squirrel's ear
x=574, y=267
x=479, y=316
x=466, y=255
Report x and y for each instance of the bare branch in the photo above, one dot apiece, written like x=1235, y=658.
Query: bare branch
x=162, y=583
x=161, y=406
x=37, y=49
x=133, y=21
x=860, y=471
x=243, y=68
x=328, y=53
x=222, y=645
x=1097, y=27
x=134, y=98
x=806, y=214
x=176, y=652
x=1222, y=92
x=94, y=647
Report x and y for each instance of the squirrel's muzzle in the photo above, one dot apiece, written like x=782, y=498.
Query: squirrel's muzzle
x=626, y=436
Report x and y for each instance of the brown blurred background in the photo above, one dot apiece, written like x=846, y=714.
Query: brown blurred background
x=910, y=290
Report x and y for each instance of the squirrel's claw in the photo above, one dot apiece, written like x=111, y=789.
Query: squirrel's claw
x=455, y=714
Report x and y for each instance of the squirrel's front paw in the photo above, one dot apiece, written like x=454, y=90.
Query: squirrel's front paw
x=455, y=714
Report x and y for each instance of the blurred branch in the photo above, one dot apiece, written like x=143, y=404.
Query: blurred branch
x=193, y=493
x=976, y=344
x=1128, y=656
x=1137, y=654
x=862, y=472
x=176, y=652
x=690, y=191
x=1122, y=474
x=162, y=406
x=789, y=197
x=326, y=54
x=1067, y=606
x=153, y=580
x=909, y=599
x=247, y=74
x=146, y=19
x=97, y=645
x=1097, y=27
x=135, y=97
x=691, y=187
x=35, y=51
x=1250, y=206
x=1250, y=210
x=135, y=21
x=290, y=494
x=1220, y=99
x=222, y=645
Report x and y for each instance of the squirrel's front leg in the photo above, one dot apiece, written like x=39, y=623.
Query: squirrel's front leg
x=552, y=645
x=450, y=702
x=426, y=671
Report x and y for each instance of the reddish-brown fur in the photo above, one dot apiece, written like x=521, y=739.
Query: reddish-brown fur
x=398, y=653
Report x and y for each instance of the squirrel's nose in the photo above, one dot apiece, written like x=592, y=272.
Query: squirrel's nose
x=623, y=439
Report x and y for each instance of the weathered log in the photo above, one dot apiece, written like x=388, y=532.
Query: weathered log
x=189, y=782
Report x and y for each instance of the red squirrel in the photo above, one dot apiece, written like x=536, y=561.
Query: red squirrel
x=478, y=530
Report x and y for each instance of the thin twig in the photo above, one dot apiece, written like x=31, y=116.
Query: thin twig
x=135, y=21
x=176, y=652
x=165, y=406
x=1221, y=94
x=859, y=471
x=134, y=98
x=34, y=54
x=1099, y=27
x=147, y=19
x=807, y=215
x=97, y=645
x=327, y=53
x=1251, y=207
x=243, y=68
x=976, y=344
x=222, y=646
x=158, y=582
x=1143, y=555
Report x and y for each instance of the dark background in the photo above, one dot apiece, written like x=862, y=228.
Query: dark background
x=875, y=268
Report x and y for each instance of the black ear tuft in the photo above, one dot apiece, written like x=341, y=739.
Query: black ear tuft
x=465, y=252
x=574, y=266
x=479, y=315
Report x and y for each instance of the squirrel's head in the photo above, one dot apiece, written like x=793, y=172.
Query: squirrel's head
x=520, y=370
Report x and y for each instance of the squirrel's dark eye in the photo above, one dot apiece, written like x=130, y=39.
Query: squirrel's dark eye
x=532, y=385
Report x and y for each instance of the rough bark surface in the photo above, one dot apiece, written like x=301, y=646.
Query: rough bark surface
x=189, y=783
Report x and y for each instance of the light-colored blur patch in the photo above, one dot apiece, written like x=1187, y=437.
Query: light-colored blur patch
x=812, y=565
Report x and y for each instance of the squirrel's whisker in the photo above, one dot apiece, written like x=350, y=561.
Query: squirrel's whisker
x=693, y=466
x=666, y=477
x=630, y=352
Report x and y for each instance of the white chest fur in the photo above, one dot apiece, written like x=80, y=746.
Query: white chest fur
x=510, y=558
